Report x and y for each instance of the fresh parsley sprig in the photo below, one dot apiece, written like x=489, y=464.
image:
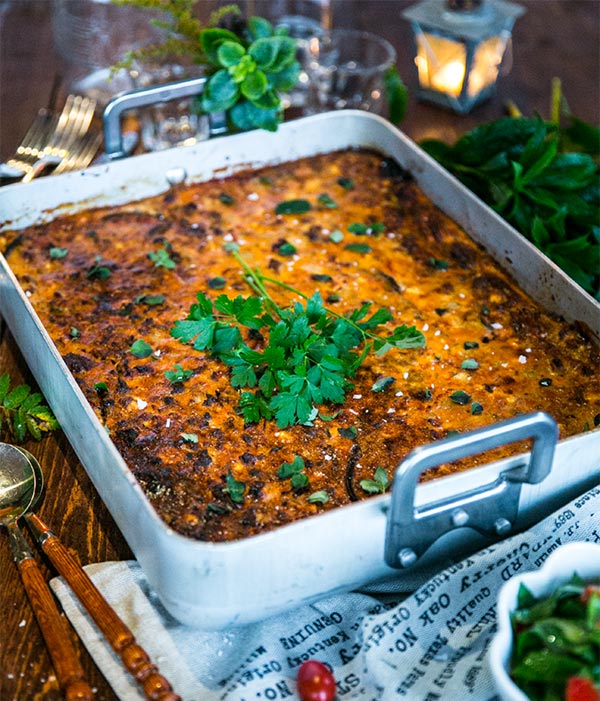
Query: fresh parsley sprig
x=23, y=412
x=309, y=353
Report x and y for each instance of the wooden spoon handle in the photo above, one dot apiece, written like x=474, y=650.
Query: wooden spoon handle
x=69, y=672
x=118, y=635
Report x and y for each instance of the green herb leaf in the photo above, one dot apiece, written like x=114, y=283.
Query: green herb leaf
x=178, y=375
x=346, y=183
x=190, y=437
x=378, y=485
x=97, y=271
x=358, y=247
x=469, y=364
x=141, y=349
x=162, y=259
x=320, y=497
x=438, y=264
x=58, y=253
x=217, y=283
x=286, y=249
x=293, y=207
x=226, y=199
x=349, y=432
x=382, y=383
x=460, y=397
x=234, y=488
x=150, y=300
x=325, y=201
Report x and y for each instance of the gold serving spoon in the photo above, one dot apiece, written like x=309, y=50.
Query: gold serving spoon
x=118, y=635
x=17, y=494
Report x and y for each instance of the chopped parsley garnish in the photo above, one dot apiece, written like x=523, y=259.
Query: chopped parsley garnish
x=309, y=355
x=476, y=408
x=217, y=283
x=286, y=249
x=97, y=271
x=150, y=300
x=378, y=485
x=321, y=278
x=470, y=345
x=234, y=488
x=294, y=471
x=438, y=264
x=141, y=349
x=58, y=253
x=346, y=183
x=361, y=229
x=162, y=259
x=293, y=207
x=325, y=201
x=101, y=387
x=349, y=432
x=460, y=397
x=320, y=497
x=469, y=364
x=336, y=236
x=190, y=437
x=382, y=383
x=226, y=199
x=178, y=374
x=358, y=247
x=74, y=333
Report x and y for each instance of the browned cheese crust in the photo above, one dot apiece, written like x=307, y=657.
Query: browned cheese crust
x=527, y=359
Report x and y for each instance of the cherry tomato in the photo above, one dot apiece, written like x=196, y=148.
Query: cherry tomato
x=581, y=689
x=315, y=682
x=589, y=591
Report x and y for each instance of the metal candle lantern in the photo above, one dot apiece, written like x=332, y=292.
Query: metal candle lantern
x=460, y=47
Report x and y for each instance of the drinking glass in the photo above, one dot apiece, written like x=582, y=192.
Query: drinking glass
x=177, y=122
x=346, y=70
x=90, y=36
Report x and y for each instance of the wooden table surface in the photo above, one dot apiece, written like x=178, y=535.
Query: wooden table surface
x=553, y=38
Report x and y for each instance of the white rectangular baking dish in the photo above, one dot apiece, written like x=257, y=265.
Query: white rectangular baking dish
x=216, y=585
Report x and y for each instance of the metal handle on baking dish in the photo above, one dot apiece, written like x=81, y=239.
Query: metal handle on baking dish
x=143, y=97
x=490, y=509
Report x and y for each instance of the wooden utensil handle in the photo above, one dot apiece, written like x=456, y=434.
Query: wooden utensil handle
x=118, y=635
x=64, y=657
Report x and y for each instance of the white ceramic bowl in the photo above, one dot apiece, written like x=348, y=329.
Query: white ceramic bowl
x=582, y=558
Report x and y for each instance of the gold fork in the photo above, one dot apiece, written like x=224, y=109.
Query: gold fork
x=67, y=141
x=50, y=138
x=80, y=154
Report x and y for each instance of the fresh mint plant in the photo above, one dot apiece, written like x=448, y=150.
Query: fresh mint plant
x=248, y=63
x=543, y=178
x=250, y=71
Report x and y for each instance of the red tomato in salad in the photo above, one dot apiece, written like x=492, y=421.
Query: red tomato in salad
x=315, y=682
x=590, y=590
x=581, y=689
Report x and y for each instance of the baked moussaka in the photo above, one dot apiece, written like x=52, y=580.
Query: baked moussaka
x=232, y=334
